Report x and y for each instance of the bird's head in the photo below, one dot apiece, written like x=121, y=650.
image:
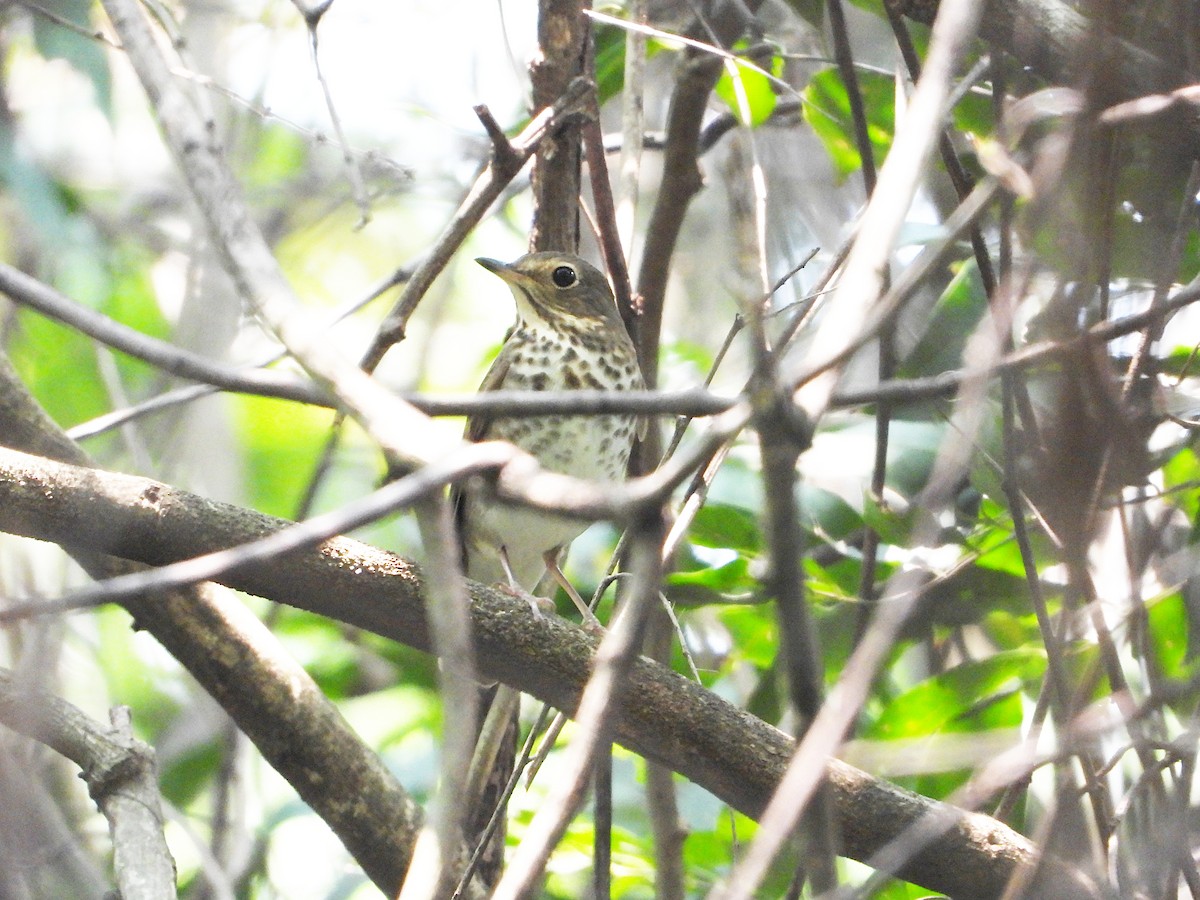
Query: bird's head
x=557, y=289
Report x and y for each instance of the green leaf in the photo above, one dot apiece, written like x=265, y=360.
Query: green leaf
x=723, y=526
x=748, y=92
x=825, y=513
x=730, y=576
x=828, y=112
x=282, y=441
x=281, y=154
x=753, y=633
x=972, y=698
x=728, y=583
x=59, y=366
x=892, y=526
x=961, y=699
x=974, y=115
x=845, y=456
x=1168, y=621
x=955, y=315
x=1181, y=474
x=811, y=11
x=190, y=773
x=610, y=58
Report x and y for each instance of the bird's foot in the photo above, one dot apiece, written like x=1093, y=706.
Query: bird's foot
x=589, y=623
x=541, y=606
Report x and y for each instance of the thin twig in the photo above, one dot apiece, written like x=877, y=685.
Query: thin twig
x=844, y=323
x=508, y=158
x=616, y=653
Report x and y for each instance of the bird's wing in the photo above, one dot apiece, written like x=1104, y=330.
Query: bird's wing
x=478, y=424
x=477, y=430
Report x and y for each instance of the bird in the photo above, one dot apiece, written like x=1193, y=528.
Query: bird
x=568, y=336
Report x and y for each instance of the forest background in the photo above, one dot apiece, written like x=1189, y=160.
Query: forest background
x=912, y=286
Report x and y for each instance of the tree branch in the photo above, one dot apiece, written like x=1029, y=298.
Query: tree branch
x=120, y=775
x=271, y=698
x=1046, y=36
x=662, y=716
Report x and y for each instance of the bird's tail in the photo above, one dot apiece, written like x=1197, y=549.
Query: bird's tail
x=487, y=785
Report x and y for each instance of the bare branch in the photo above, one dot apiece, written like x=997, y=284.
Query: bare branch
x=661, y=715
x=120, y=775
x=241, y=664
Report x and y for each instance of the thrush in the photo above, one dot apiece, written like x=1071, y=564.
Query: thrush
x=568, y=336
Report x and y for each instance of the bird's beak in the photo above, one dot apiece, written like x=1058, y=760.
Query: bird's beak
x=502, y=270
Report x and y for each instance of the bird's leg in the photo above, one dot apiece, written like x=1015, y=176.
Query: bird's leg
x=539, y=605
x=590, y=622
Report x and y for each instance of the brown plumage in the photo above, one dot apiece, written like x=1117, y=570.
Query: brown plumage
x=568, y=336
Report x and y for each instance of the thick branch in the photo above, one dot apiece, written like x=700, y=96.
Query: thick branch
x=120, y=775
x=266, y=692
x=1047, y=36
x=663, y=716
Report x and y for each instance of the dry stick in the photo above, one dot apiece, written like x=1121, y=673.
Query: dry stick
x=1009, y=388
x=632, y=128
x=229, y=743
x=213, y=566
x=120, y=775
x=810, y=378
x=614, y=657
x=1043, y=34
x=312, y=19
x=959, y=177
x=562, y=40
x=660, y=783
x=606, y=217
x=783, y=436
x=30, y=292
x=406, y=434
x=1182, y=859
x=507, y=160
x=566, y=51
x=846, y=319
x=117, y=418
x=900, y=597
x=407, y=437
x=681, y=179
x=857, y=292
x=680, y=182
x=887, y=349
x=963, y=185
x=683, y=132
x=690, y=402
x=436, y=855
x=1013, y=765
x=1137, y=367
x=27, y=291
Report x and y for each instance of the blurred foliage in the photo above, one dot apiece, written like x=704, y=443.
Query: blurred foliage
x=748, y=89
x=118, y=235
x=827, y=108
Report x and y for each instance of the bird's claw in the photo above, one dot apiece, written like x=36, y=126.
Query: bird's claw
x=541, y=606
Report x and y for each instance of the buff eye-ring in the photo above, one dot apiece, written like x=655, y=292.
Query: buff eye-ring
x=564, y=276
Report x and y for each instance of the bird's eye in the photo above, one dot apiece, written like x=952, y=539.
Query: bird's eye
x=564, y=276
